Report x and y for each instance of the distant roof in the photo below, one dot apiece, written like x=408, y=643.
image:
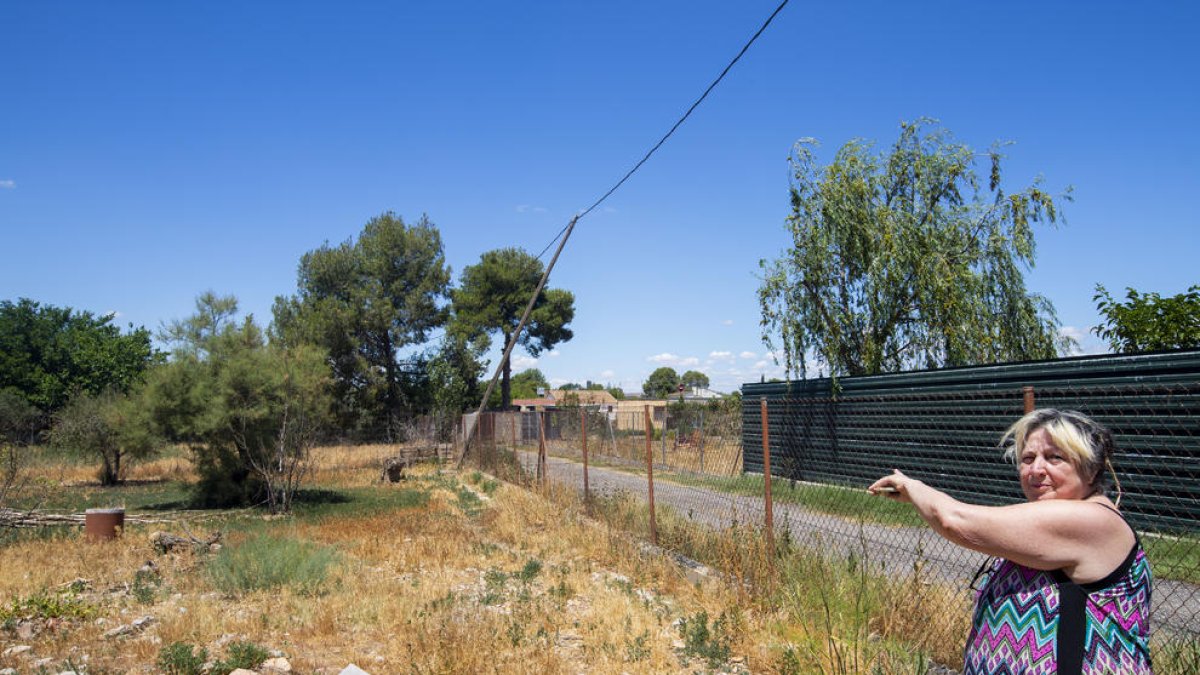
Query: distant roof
x=535, y=402
x=584, y=396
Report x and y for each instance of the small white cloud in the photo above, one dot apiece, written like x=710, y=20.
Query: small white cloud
x=552, y=352
x=748, y=355
x=759, y=365
x=607, y=373
x=521, y=362
x=522, y=208
x=8, y=184
x=1086, y=342
x=669, y=359
x=526, y=208
x=112, y=314
x=720, y=355
x=727, y=322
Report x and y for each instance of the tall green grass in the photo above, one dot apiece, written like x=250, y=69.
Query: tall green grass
x=266, y=562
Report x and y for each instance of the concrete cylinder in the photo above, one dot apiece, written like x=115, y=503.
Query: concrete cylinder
x=103, y=524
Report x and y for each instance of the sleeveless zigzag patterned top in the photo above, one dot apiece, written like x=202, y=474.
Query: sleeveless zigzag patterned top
x=1030, y=622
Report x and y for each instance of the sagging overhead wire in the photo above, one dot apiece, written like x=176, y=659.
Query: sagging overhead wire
x=671, y=131
x=565, y=233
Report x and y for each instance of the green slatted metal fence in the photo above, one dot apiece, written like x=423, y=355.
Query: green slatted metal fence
x=943, y=427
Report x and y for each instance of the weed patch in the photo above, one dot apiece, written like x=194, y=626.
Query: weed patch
x=710, y=645
x=266, y=562
x=46, y=605
x=181, y=658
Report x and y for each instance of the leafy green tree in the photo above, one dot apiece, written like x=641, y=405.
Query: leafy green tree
x=47, y=353
x=526, y=383
x=250, y=410
x=19, y=424
x=617, y=393
x=111, y=427
x=365, y=301
x=694, y=379
x=492, y=296
x=1148, y=321
x=905, y=260
x=571, y=386
x=662, y=383
x=454, y=373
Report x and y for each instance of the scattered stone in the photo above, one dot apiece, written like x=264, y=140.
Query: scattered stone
x=17, y=650
x=42, y=664
x=26, y=630
x=353, y=670
x=568, y=640
x=165, y=542
x=275, y=665
x=275, y=653
x=225, y=639
x=124, y=629
x=8, y=671
x=136, y=626
x=77, y=585
x=242, y=671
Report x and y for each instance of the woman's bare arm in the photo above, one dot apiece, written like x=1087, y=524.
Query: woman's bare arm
x=1046, y=535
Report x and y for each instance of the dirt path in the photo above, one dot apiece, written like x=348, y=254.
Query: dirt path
x=892, y=549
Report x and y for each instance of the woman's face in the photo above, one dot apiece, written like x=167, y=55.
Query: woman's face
x=1046, y=473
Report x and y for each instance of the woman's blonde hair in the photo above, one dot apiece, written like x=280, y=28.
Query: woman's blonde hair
x=1087, y=444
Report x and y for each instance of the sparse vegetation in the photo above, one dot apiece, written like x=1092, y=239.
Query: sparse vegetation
x=181, y=658
x=267, y=562
x=510, y=582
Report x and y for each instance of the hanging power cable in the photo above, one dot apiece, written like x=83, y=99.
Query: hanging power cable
x=671, y=131
x=565, y=233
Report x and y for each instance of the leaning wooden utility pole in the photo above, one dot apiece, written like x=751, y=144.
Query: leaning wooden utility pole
x=512, y=342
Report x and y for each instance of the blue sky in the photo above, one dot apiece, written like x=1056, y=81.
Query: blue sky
x=151, y=151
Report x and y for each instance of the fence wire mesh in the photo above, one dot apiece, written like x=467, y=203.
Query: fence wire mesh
x=701, y=469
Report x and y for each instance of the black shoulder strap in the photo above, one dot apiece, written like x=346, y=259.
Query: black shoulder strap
x=1123, y=519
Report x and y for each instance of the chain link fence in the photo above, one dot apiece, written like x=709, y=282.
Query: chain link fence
x=691, y=478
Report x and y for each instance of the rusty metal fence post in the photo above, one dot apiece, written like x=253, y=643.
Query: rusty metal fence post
x=583, y=433
x=650, y=474
x=1028, y=392
x=542, y=447
x=766, y=449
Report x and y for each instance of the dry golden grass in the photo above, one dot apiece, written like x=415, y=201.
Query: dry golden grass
x=481, y=577
x=432, y=588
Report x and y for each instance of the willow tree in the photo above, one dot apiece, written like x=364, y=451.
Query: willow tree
x=905, y=259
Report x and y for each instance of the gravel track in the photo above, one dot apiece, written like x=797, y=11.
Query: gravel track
x=893, y=549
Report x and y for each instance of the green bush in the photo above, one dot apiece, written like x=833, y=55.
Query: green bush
x=46, y=605
x=245, y=655
x=267, y=562
x=181, y=658
x=699, y=641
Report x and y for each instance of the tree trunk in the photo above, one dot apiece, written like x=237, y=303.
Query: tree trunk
x=505, y=386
